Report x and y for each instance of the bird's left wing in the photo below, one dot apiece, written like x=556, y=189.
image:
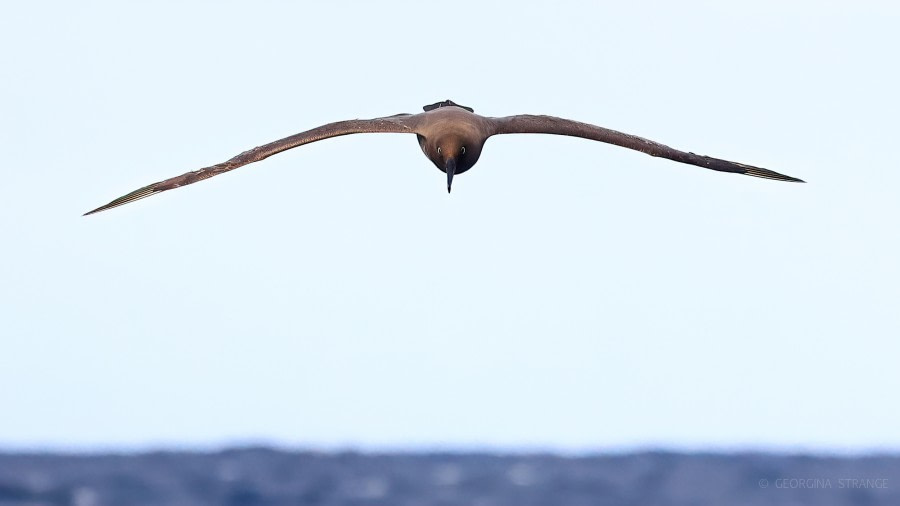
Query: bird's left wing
x=528, y=123
x=401, y=123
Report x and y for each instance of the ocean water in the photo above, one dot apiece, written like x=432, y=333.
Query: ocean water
x=259, y=476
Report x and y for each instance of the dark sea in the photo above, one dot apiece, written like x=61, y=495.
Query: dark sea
x=259, y=476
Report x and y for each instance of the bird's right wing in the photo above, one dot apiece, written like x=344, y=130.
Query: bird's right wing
x=401, y=123
x=528, y=123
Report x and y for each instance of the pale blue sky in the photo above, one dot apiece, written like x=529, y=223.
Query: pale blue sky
x=568, y=295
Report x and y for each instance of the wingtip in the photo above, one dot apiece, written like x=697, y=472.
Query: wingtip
x=125, y=199
x=101, y=208
x=95, y=211
x=789, y=179
x=770, y=174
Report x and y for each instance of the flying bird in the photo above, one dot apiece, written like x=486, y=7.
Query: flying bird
x=451, y=136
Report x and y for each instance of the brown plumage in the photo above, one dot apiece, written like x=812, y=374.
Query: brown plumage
x=451, y=136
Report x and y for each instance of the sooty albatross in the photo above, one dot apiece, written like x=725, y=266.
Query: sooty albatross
x=451, y=136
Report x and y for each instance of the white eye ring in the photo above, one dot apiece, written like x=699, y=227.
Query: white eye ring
x=439, y=150
x=463, y=150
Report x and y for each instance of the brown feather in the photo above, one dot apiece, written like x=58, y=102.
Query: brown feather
x=401, y=123
x=551, y=125
x=450, y=134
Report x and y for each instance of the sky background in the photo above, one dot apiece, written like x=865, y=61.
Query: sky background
x=569, y=295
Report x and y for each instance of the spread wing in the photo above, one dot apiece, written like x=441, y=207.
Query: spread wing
x=401, y=123
x=551, y=125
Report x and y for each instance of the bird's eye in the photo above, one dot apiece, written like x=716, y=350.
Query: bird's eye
x=439, y=150
x=462, y=150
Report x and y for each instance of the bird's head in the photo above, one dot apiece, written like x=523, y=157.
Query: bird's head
x=452, y=153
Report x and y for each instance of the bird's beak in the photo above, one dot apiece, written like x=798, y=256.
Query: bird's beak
x=451, y=169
